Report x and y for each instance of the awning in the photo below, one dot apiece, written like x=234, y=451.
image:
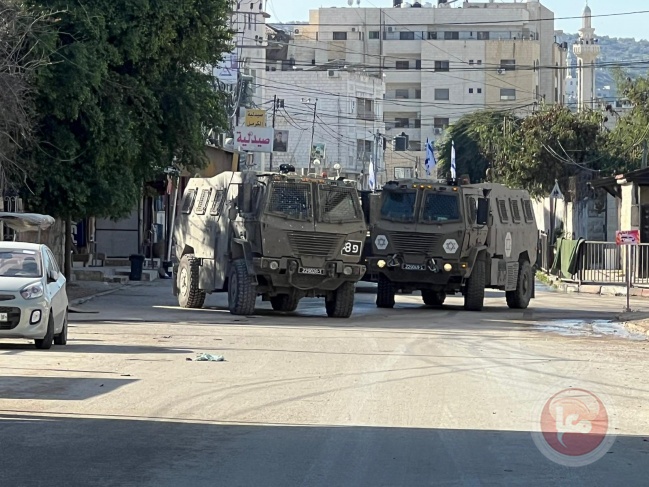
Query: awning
x=26, y=222
x=611, y=184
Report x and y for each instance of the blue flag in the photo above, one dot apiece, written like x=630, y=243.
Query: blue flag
x=372, y=177
x=453, y=168
x=430, y=157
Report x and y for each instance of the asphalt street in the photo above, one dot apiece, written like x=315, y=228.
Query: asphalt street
x=405, y=397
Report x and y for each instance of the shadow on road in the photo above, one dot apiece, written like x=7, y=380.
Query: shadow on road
x=114, y=451
x=77, y=347
x=58, y=388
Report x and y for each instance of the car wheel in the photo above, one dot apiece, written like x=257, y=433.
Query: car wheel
x=62, y=338
x=46, y=343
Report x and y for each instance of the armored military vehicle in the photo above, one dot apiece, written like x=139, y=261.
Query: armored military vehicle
x=281, y=236
x=443, y=238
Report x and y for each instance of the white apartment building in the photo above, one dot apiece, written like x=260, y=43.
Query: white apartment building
x=441, y=62
x=338, y=110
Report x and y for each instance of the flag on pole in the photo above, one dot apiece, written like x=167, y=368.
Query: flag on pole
x=430, y=156
x=372, y=177
x=453, y=168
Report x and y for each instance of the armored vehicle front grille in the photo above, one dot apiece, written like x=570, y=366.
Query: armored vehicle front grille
x=13, y=318
x=320, y=244
x=412, y=243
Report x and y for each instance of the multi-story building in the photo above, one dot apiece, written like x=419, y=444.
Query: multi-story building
x=440, y=62
x=338, y=111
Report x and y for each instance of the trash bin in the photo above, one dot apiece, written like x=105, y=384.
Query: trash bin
x=137, y=264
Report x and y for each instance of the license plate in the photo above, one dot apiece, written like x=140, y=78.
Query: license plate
x=313, y=271
x=4, y=317
x=414, y=267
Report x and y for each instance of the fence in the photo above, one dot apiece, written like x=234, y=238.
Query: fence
x=544, y=252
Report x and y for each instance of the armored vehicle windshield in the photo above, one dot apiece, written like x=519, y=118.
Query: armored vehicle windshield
x=338, y=204
x=291, y=200
x=440, y=207
x=399, y=205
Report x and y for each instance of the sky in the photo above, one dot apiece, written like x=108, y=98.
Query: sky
x=622, y=26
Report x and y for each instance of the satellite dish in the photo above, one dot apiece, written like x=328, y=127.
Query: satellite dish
x=350, y=2
x=316, y=162
x=337, y=166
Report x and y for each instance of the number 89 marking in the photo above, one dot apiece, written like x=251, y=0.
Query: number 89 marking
x=352, y=247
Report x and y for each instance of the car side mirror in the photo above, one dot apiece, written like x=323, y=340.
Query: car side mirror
x=483, y=212
x=53, y=276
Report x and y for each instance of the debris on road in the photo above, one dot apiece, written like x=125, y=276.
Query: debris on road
x=208, y=357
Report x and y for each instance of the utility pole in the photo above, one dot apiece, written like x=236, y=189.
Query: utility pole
x=315, y=111
x=274, y=113
x=645, y=150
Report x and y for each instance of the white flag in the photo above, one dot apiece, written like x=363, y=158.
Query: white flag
x=453, y=168
x=372, y=177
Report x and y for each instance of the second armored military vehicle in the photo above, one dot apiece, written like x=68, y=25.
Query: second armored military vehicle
x=281, y=236
x=442, y=238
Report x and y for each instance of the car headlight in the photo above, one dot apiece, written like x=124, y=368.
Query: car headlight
x=32, y=291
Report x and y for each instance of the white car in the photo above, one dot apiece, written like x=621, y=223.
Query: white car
x=33, y=297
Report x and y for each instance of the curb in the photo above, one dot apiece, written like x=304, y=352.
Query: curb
x=80, y=301
x=598, y=290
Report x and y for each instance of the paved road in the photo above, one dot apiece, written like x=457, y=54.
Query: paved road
x=406, y=397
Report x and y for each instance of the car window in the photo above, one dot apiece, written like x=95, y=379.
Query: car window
x=20, y=263
x=52, y=261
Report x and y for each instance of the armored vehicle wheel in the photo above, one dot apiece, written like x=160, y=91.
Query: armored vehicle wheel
x=474, y=297
x=433, y=298
x=520, y=298
x=285, y=302
x=342, y=304
x=242, y=291
x=189, y=295
x=385, y=293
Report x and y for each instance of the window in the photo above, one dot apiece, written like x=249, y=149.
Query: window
x=527, y=211
x=483, y=36
x=471, y=209
x=418, y=64
x=403, y=64
x=441, y=66
x=340, y=36
x=479, y=62
x=414, y=145
x=402, y=94
x=516, y=212
x=217, y=204
x=399, y=205
x=451, y=36
x=507, y=94
x=417, y=123
x=440, y=123
x=201, y=207
x=502, y=211
x=432, y=36
x=374, y=34
x=402, y=172
x=406, y=36
x=508, y=64
x=188, y=201
x=440, y=208
x=470, y=62
x=441, y=94
x=479, y=90
x=471, y=90
x=401, y=123
x=418, y=94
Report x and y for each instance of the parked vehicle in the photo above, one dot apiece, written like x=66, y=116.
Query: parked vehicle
x=281, y=236
x=443, y=238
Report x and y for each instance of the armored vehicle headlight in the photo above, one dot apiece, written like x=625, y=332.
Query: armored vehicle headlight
x=274, y=265
x=448, y=267
x=381, y=263
x=348, y=271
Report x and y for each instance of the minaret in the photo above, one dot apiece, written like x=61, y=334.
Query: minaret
x=587, y=50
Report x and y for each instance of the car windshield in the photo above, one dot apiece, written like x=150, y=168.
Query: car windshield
x=338, y=204
x=399, y=205
x=440, y=208
x=20, y=263
x=291, y=200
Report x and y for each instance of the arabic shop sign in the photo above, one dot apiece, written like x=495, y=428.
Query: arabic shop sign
x=254, y=139
x=255, y=118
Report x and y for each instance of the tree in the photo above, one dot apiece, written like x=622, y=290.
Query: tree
x=553, y=144
x=19, y=29
x=129, y=88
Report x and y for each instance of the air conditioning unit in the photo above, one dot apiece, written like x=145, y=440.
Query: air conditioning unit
x=437, y=131
x=501, y=71
x=332, y=73
x=507, y=98
x=353, y=29
x=390, y=29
